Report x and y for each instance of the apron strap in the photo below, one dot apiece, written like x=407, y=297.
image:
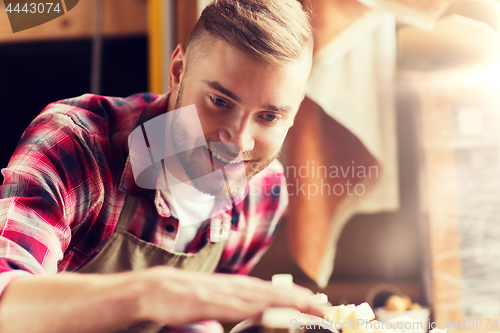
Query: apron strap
x=127, y=213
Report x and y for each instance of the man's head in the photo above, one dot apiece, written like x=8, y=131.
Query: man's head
x=245, y=68
x=275, y=32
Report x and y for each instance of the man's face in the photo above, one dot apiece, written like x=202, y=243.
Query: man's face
x=245, y=108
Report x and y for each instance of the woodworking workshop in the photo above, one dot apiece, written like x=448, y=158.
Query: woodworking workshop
x=250, y=166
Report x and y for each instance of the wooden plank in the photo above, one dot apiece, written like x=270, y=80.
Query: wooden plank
x=186, y=15
x=156, y=59
x=355, y=292
x=442, y=210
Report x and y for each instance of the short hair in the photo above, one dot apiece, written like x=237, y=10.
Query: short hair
x=274, y=31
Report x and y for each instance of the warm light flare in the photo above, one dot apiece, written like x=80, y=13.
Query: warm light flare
x=488, y=75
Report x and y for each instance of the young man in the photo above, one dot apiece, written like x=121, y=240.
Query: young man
x=72, y=199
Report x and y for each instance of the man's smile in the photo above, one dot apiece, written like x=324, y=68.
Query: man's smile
x=227, y=163
x=221, y=158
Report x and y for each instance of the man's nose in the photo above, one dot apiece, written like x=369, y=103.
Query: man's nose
x=242, y=137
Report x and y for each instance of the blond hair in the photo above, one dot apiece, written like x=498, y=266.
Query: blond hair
x=274, y=31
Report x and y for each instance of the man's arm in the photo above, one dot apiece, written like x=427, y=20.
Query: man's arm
x=101, y=303
x=68, y=303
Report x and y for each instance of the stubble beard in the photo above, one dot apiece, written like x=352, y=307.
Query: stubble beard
x=219, y=188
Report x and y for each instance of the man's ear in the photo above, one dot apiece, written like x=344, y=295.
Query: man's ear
x=177, y=66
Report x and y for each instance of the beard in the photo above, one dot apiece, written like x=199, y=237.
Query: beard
x=207, y=174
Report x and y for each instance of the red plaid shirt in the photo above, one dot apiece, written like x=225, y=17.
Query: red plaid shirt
x=65, y=186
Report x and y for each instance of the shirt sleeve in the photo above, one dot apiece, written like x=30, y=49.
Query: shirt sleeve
x=9, y=274
x=50, y=169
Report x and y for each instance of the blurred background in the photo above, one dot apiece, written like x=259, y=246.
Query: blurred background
x=407, y=89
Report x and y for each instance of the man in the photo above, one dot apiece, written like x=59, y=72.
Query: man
x=72, y=199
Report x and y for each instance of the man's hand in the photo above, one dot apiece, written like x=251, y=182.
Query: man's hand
x=177, y=297
x=81, y=303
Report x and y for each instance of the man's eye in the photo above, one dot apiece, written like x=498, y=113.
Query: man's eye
x=270, y=117
x=218, y=101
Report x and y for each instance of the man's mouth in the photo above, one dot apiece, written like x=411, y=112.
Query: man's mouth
x=230, y=163
x=225, y=160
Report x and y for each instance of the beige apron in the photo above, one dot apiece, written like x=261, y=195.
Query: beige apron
x=125, y=252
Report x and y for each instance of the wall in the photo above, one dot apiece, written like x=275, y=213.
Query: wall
x=53, y=61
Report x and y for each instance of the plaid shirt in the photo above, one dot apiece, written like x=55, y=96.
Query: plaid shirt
x=65, y=186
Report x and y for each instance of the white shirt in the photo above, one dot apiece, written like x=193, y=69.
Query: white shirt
x=190, y=207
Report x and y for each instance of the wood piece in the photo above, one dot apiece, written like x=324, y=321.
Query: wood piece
x=186, y=15
x=120, y=17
